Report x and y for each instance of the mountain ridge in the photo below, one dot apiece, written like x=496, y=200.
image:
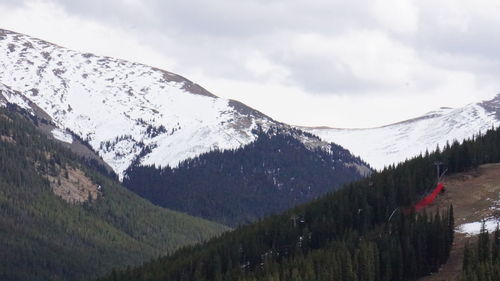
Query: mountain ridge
x=162, y=136
x=390, y=144
x=128, y=112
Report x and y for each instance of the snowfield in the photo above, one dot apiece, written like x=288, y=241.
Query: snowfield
x=474, y=228
x=62, y=135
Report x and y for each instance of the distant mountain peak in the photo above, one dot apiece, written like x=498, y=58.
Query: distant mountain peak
x=394, y=143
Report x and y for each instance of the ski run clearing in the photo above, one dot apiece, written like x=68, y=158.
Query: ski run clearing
x=475, y=197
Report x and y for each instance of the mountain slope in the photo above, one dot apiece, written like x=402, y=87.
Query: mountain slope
x=394, y=143
x=15, y=101
x=483, y=184
x=61, y=220
x=124, y=110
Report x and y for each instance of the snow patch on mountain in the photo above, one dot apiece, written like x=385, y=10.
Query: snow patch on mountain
x=395, y=143
x=474, y=228
x=62, y=135
x=9, y=96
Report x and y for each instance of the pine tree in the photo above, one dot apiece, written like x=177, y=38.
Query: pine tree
x=496, y=246
x=483, y=245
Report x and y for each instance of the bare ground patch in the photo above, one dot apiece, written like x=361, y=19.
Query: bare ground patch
x=73, y=185
x=8, y=139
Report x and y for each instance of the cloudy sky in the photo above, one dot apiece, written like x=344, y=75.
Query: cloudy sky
x=306, y=62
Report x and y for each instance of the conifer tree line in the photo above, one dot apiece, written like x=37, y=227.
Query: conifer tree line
x=267, y=176
x=482, y=260
x=345, y=235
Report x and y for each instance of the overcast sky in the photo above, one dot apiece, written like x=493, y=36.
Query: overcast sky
x=306, y=62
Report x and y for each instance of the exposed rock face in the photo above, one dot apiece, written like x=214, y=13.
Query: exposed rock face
x=74, y=186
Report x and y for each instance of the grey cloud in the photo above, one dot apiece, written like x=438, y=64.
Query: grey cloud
x=226, y=18
x=208, y=31
x=14, y=3
x=480, y=39
x=111, y=12
x=315, y=75
x=471, y=49
x=210, y=35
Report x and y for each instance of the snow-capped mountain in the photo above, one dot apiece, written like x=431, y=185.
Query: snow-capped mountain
x=394, y=143
x=127, y=112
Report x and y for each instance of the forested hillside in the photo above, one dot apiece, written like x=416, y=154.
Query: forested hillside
x=345, y=235
x=62, y=220
x=233, y=187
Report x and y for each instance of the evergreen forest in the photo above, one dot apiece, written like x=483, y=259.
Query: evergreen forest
x=482, y=259
x=234, y=187
x=365, y=231
x=43, y=237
